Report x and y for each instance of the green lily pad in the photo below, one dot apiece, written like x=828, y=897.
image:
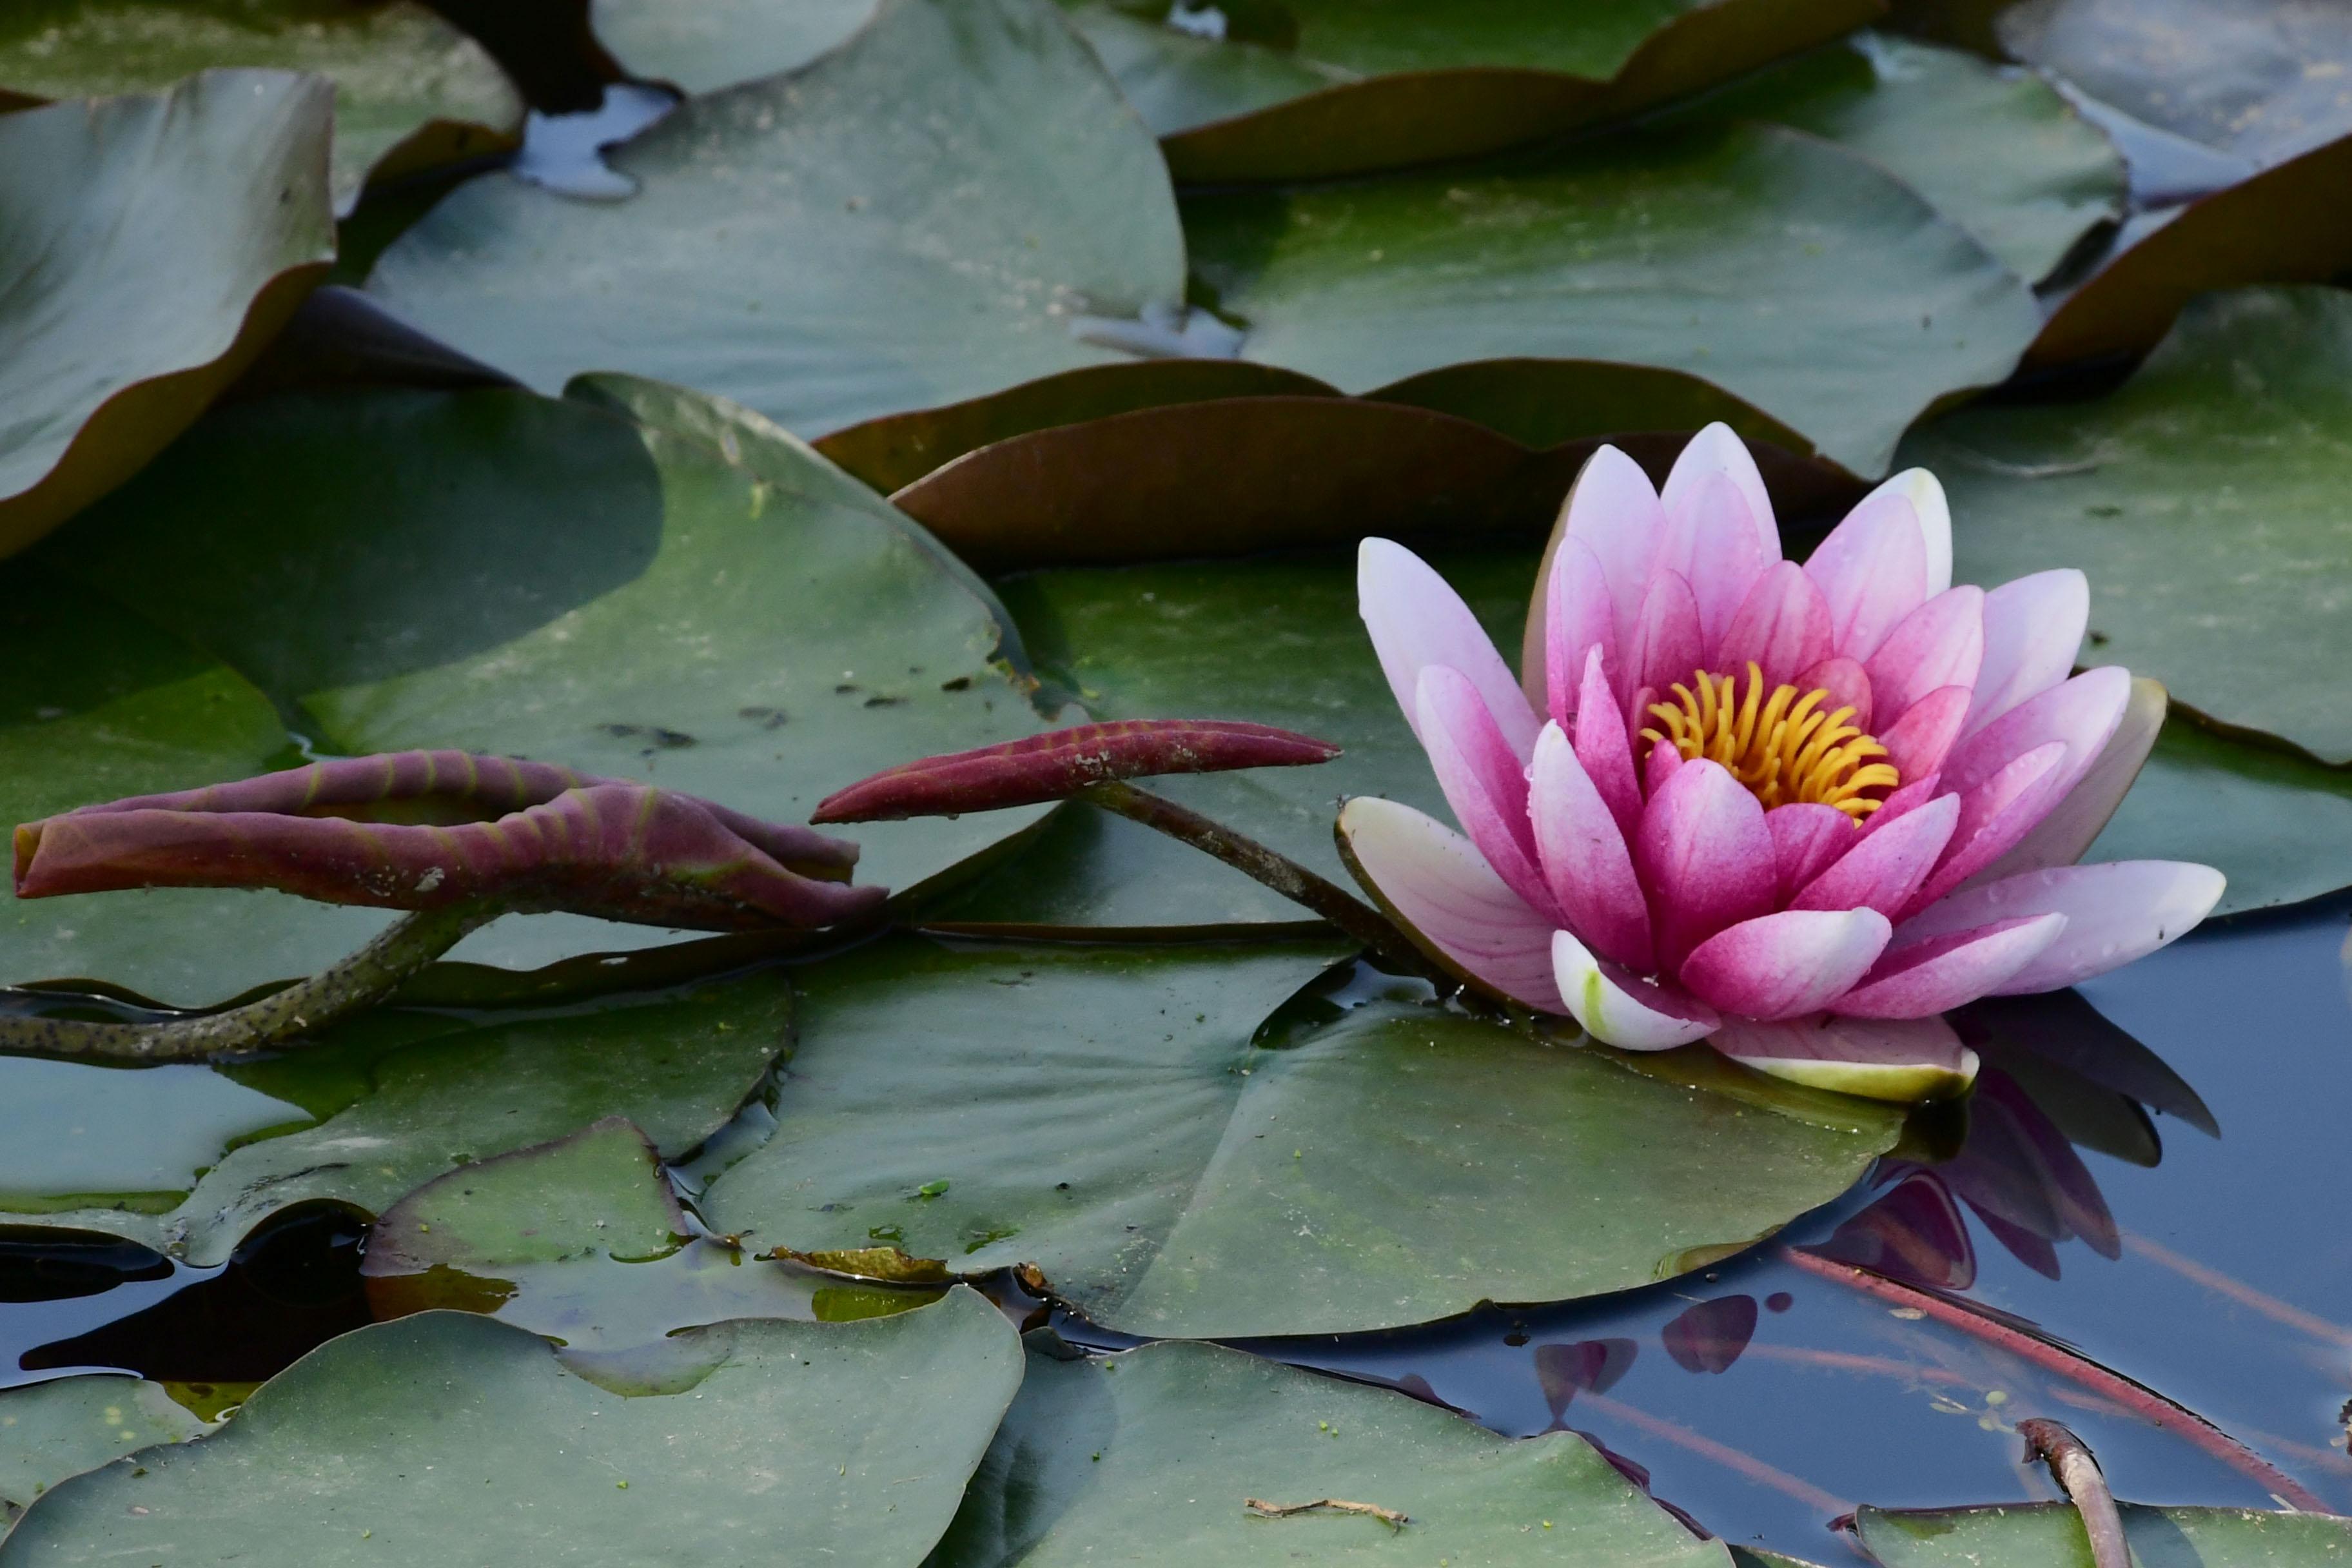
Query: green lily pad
x=597, y=1191
x=755, y=634
x=73, y=1132
x=53, y=1430
x=1164, y=1443
x=399, y=1097
x=1312, y=89
x=2266, y=80
x=2051, y=1534
x=1997, y=150
x=925, y=270
x=411, y=90
x=449, y=1437
x=1103, y=1113
x=110, y=351
x=1789, y=272
x=2205, y=501
x=702, y=46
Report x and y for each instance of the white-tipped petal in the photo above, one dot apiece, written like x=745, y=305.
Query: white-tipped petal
x=1718, y=449
x=1924, y=492
x=1899, y=1059
x=1436, y=886
x=1416, y=620
x=1618, y=1010
x=2115, y=912
x=2073, y=824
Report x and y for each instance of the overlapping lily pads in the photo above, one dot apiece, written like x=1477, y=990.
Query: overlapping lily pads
x=448, y=1435
x=1104, y=1113
x=54, y=1430
x=1166, y=1445
x=411, y=90
x=108, y=357
x=2053, y=1533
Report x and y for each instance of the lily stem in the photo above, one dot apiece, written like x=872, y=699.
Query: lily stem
x=344, y=987
x=2077, y=1474
x=1273, y=869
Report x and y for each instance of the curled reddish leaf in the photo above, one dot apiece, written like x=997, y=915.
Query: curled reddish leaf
x=1057, y=765
x=426, y=830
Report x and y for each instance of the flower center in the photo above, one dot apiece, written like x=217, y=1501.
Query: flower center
x=1786, y=748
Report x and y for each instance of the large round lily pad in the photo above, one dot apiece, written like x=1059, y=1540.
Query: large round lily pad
x=446, y=1436
x=1104, y=1113
x=703, y=46
x=148, y=247
x=817, y=247
x=53, y=1430
x=1790, y=271
x=411, y=90
x=2053, y=1533
x=1165, y=1445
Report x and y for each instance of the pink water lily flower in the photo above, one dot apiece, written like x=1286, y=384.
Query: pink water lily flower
x=1796, y=811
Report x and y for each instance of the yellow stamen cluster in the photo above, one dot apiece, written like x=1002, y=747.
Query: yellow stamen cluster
x=1784, y=747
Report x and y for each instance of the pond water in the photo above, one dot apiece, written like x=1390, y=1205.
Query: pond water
x=1763, y=1397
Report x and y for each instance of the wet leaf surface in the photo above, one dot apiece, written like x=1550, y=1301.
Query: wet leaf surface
x=1164, y=1444
x=2053, y=1533
x=72, y=1132
x=600, y=1190
x=108, y=357
x=715, y=44
x=926, y=271
x=446, y=1435
x=411, y=90
x=1790, y=272
x=53, y=1430
x=1102, y=1113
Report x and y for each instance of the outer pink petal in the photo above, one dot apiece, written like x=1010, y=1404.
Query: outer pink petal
x=2065, y=835
x=1886, y=869
x=1847, y=685
x=1437, y=886
x=1613, y=510
x=1579, y=620
x=1618, y=1010
x=1585, y=862
x=2033, y=628
x=1901, y=1059
x=1712, y=543
x=1925, y=494
x=1873, y=570
x=1706, y=859
x=1483, y=781
x=1603, y=747
x=1785, y=964
x=1941, y=972
x=1718, y=449
x=1994, y=815
x=1416, y=619
x=1665, y=647
x=1917, y=743
x=2081, y=712
x=2115, y=912
x=1782, y=626
x=1807, y=839
x=1937, y=644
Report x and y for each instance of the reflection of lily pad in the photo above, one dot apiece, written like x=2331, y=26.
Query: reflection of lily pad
x=70, y=1131
x=1164, y=1443
x=2052, y=1532
x=703, y=46
x=53, y=1430
x=153, y=243
x=411, y=90
x=1790, y=272
x=923, y=268
x=1104, y=1111
x=449, y=1437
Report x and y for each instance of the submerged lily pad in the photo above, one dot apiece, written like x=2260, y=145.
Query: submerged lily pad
x=1792, y=273
x=1103, y=1113
x=1165, y=1445
x=411, y=90
x=53, y=1430
x=448, y=1437
x=925, y=268
x=2052, y=1532
x=111, y=348
x=380, y=561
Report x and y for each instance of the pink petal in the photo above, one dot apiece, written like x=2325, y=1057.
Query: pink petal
x=1718, y=449
x=1782, y=626
x=1786, y=964
x=1416, y=619
x=1440, y=889
x=1873, y=570
x=1941, y=972
x=1621, y=1010
x=1847, y=685
x=2033, y=628
x=1664, y=648
x=1583, y=857
x=1906, y=799
x=1579, y=621
x=1483, y=781
x=1712, y=544
x=1917, y=743
x=1613, y=510
x=1603, y=747
x=1807, y=839
x=1886, y=869
x=2081, y=712
x=1663, y=762
x=2063, y=837
x=1994, y=815
x=1937, y=644
x=2115, y=912
x=1925, y=494
x=1900, y=1059
x=1705, y=857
